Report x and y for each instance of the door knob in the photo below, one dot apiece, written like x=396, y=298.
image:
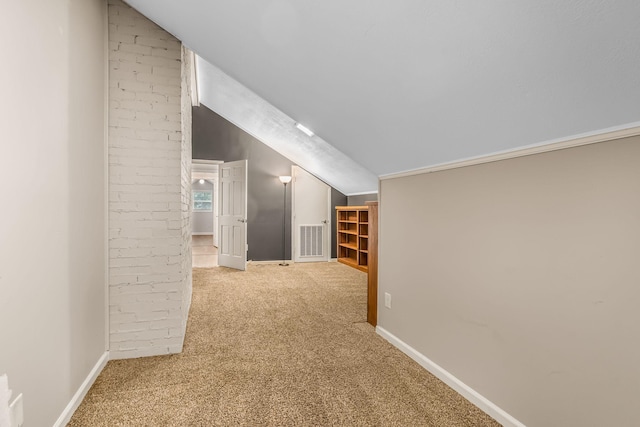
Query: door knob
x=242, y=220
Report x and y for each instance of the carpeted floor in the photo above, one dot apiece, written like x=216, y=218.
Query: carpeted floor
x=276, y=346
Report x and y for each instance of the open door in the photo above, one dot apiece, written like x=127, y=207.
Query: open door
x=311, y=217
x=216, y=210
x=232, y=218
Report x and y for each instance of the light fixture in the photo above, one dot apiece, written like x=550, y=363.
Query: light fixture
x=201, y=181
x=285, y=180
x=304, y=129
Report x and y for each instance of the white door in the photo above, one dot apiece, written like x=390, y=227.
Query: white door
x=232, y=214
x=216, y=209
x=311, y=217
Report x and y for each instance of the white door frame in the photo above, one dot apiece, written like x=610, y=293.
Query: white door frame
x=208, y=169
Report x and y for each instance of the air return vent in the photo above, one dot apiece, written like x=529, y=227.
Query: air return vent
x=311, y=241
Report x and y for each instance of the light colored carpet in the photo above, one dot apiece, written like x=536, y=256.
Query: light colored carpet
x=276, y=346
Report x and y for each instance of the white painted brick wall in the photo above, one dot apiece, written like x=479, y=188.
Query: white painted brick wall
x=149, y=201
x=185, y=180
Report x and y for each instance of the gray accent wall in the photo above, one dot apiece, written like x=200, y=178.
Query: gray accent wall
x=360, y=199
x=215, y=138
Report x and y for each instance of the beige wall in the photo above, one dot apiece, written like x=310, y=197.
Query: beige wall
x=52, y=327
x=521, y=278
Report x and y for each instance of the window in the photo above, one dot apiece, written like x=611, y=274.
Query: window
x=202, y=201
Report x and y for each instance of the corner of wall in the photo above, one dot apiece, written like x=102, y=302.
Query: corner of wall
x=186, y=115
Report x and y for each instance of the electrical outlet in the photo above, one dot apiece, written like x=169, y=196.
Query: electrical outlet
x=387, y=299
x=16, y=412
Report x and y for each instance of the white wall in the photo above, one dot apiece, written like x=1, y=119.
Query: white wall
x=52, y=220
x=187, y=70
x=520, y=278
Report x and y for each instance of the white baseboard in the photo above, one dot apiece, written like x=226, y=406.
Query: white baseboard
x=467, y=392
x=146, y=352
x=202, y=233
x=269, y=262
x=287, y=261
x=77, y=398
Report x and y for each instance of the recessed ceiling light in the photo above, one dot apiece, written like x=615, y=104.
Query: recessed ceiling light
x=304, y=129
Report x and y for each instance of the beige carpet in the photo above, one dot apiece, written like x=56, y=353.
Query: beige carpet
x=276, y=346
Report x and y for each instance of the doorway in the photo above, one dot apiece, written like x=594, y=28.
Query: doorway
x=204, y=217
x=311, y=220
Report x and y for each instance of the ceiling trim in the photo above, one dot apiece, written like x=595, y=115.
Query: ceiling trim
x=364, y=193
x=603, y=135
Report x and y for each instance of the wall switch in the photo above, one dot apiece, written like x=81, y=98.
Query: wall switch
x=16, y=412
x=387, y=300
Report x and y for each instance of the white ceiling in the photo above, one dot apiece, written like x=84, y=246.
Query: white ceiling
x=400, y=85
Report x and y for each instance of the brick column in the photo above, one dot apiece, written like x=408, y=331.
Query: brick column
x=149, y=230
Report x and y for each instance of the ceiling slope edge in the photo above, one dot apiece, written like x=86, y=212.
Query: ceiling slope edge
x=254, y=115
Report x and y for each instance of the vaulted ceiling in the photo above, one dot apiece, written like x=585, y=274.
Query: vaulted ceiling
x=400, y=85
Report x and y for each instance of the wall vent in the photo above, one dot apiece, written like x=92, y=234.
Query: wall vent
x=311, y=240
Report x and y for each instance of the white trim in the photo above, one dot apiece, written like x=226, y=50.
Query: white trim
x=292, y=215
x=106, y=177
x=161, y=350
x=77, y=398
x=467, y=392
x=363, y=193
x=205, y=169
x=206, y=162
x=197, y=176
x=193, y=87
x=288, y=261
x=202, y=233
x=609, y=134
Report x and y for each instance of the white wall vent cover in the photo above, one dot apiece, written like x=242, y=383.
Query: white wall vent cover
x=311, y=240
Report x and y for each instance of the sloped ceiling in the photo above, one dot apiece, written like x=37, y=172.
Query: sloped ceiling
x=400, y=85
x=254, y=115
